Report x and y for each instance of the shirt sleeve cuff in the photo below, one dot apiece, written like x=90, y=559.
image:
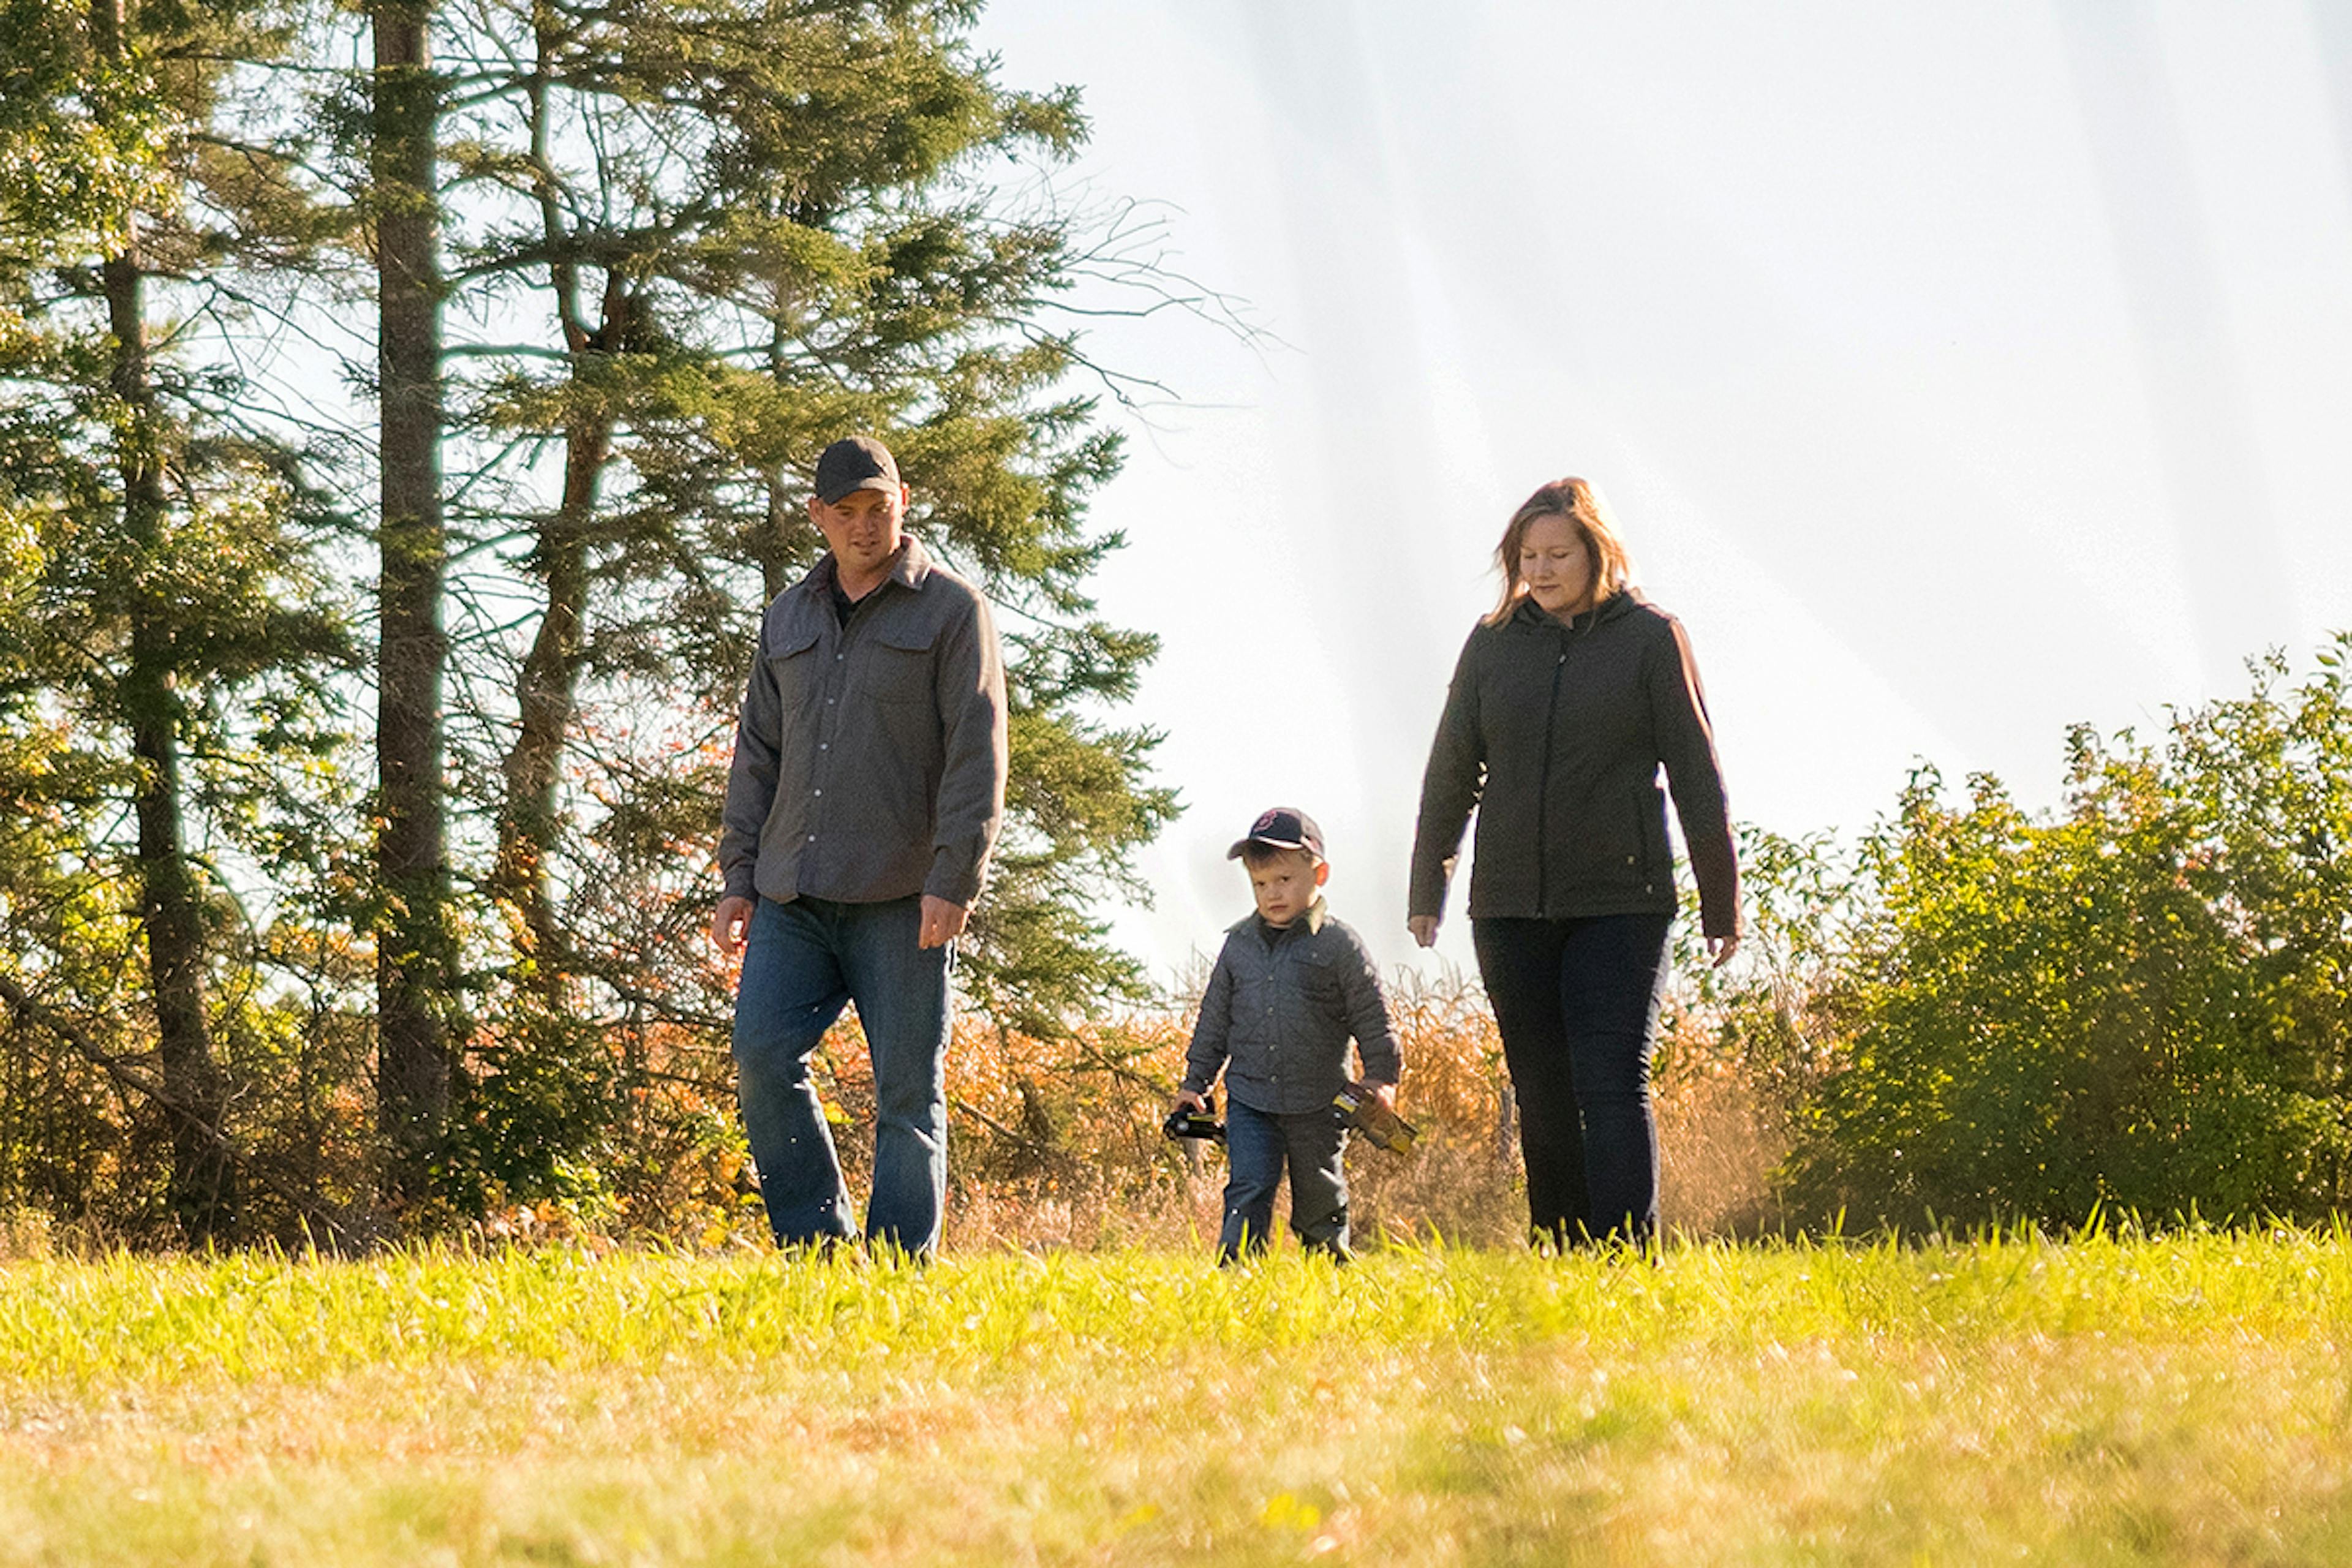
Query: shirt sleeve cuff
x=957, y=886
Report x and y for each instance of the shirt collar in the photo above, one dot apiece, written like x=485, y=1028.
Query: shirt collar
x=909, y=568
x=1317, y=912
x=914, y=565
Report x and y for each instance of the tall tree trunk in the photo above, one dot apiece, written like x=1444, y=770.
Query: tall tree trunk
x=201, y=1191
x=415, y=944
x=547, y=687
x=547, y=694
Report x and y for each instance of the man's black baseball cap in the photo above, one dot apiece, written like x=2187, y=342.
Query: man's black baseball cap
x=856, y=463
x=1283, y=827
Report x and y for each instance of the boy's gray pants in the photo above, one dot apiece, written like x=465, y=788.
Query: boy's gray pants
x=1260, y=1144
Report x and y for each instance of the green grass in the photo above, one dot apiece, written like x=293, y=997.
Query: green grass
x=2107, y=1401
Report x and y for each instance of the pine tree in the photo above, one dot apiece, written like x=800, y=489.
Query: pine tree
x=632, y=266
x=162, y=608
x=704, y=240
x=416, y=956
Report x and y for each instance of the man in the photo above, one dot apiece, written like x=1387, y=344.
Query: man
x=866, y=790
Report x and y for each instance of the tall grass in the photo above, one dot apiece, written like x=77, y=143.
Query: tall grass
x=2111, y=1399
x=1057, y=1142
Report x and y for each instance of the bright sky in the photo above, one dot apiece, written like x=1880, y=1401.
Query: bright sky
x=1957, y=372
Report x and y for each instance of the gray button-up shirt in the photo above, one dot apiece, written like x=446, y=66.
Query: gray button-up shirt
x=870, y=759
x=1278, y=1016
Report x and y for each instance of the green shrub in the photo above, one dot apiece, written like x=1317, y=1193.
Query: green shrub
x=2144, y=1003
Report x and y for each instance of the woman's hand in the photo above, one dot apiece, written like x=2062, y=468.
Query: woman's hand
x=1721, y=948
x=1423, y=928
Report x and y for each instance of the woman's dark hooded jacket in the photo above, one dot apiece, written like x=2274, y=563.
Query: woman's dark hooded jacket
x=1554, y=732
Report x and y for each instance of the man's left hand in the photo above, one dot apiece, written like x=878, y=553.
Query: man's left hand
x=942, y=922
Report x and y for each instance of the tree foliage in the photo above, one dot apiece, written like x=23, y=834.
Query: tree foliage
x=2143, y=1002
x=167, y=659
x=635, y=265
x=652, y=255
x=700, y=243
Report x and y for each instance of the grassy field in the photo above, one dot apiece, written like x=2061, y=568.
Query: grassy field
x=2105, y=1400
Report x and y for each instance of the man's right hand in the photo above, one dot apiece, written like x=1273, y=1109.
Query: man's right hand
x=1187, y=1101
x=729, y=921
x=1423, y=927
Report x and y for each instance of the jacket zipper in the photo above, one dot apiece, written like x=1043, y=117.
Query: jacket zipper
x=1543, y=791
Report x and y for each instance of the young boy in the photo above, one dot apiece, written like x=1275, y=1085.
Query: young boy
x=1290, y=987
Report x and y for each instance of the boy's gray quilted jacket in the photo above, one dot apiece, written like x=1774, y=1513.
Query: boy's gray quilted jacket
x=1278, y=1016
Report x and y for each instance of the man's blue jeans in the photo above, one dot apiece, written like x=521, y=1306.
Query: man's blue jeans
x=1258, y=1145
x=1576, y=1002
x=803, y=962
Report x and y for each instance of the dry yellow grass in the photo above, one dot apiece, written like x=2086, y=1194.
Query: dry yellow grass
x=1057, y=1142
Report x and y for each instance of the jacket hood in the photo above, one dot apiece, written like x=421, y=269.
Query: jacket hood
x=1619, y=603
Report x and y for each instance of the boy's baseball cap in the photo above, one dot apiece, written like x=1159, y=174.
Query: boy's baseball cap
x=1283, y=827
x=856, y=463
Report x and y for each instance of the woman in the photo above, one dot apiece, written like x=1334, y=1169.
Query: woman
x=1567, y=698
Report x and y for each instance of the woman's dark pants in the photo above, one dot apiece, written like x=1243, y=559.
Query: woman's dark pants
x=1576, y=1002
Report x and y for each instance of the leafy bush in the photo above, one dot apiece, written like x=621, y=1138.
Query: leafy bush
x=2144, y=1003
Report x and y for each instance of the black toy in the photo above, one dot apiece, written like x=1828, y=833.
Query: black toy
x=1203, y=1123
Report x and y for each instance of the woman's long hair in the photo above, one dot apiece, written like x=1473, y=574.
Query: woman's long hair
x=1577, y=500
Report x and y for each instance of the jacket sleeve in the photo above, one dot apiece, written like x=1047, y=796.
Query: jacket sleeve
x=1686, y=745
x=1449, y=787
x=970, y=674
x=752, y=776
x=1212, y=1032
x=1368, y=1016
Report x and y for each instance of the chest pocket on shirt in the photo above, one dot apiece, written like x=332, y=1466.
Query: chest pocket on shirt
x=1318, y=980
x=1254, y=988
x=792, y=666
x=899, y=665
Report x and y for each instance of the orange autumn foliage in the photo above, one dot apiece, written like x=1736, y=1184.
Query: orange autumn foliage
x=1056, y=1142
